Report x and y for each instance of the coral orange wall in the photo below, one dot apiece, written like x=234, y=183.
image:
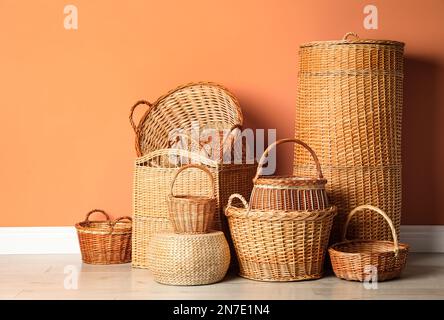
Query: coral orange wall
x=66, y=144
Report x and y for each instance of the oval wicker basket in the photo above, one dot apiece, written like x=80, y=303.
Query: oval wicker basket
x=207, y=104
x=188, y=213
x=188, y=259
x=105, y=242
x=359, y=259
x=292, y=193
x=278, y=245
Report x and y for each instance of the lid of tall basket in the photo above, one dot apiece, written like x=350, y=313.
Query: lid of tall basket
x=349, y=110
x=166, y=141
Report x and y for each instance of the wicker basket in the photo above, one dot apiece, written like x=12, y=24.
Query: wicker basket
x=292, y=193
x=279, y=245
x=349, y=110
x=153, y=174
x=355, y=259
x=105, y=242
x=209, y=105
x=189, y=259
x=191, y=214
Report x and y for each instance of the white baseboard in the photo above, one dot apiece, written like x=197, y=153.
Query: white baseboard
x=38, y=240
x=423, y=238
x=63, y=240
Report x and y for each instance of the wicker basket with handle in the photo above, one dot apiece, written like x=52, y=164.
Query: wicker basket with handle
x=349, y=110
x=105, y=242
x=207, y=104
x=276, y=245
x=189, y=213
x=291, y=193
x=359, y=259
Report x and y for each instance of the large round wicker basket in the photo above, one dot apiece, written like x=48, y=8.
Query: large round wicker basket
x=276, y=245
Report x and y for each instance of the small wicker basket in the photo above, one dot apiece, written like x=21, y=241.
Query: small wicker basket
x=293, y=193
x=105, y=242
x=188, y=213
x=357, y=259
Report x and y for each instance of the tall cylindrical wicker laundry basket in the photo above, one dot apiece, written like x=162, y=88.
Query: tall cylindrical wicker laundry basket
x=349, y=111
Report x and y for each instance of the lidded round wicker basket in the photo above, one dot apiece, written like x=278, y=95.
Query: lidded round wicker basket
x=105, y=242
x=292, y=193
x=349, y=110
x=363, y=259
x=277, y=245
x=188, y=259
x=188, y=213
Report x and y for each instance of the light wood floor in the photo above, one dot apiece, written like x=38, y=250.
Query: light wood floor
x=42, y=277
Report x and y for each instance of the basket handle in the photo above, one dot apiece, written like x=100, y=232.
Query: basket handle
x=297, y=141
x=237, y=196
x=350, y=34
x=379, y=211
x=97, y=210
x=133, y=124
x=113, y=224
x=197, y=166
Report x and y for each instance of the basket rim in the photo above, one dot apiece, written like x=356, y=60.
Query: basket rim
x=279, y=215
x=363, y=42
x=335, y=248
x=192, y=198
x=125, y=227
x=289, y=180
x=171, y=234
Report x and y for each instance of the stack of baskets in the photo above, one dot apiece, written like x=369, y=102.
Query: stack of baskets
x=205, y=105
x=192, y=255
x=283, y=233
x=349, y=110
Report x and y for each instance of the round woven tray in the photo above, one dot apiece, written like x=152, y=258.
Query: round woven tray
x=207, y=104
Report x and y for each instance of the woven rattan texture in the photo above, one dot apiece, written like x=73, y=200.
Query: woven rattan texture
x=349, y=111
x=185, y=259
